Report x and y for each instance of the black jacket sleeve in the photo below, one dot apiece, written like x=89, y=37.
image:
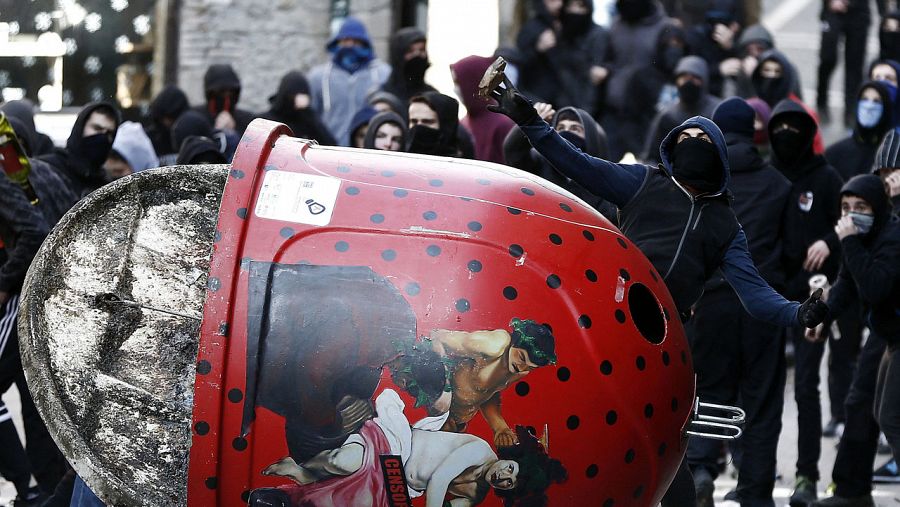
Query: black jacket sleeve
x=23, y=231
x=874, y=272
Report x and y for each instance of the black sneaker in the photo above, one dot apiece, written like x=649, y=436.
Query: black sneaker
x=705, y=487
x=834, y=428
x=887, y=473
x=840, y=501
x=804, y=492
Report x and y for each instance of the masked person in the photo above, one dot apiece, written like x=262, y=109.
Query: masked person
x=132, y=151
x=387, y=131
x=657, y=207
x=23, y=110
x=189, y=124
x=222, y=89
x=291, y=105
x=577, y=127
x=886, y=72
x=632, y=46
x=739, y=359
x=339, y=87
x=409, y=61
x=433, y=125
x=715, y=40
x=80, y=163
x=889, y=36
x=691, y=78
x=870, y=239
x=874, y=116
x=164, y=111
x=848, y=20
x=810, y=247
x=488, y=129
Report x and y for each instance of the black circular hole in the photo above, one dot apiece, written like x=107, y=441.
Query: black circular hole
x=606, y=368
x=622, y=243
x=665, y=358
x=553, y=281
x=640, y=362
x=556, y=239
x=629, y=456
x=674, y=404
x=522, y=388
x=510, y=293
x=527, y=191
x=516, y=250
x=646, y=313
x=620, y=316
x=661, y=449
x=588, y=235
x=513, y=211
x=584, y=322
x=592, y=471
x=563, y=374
x=572, y=422
x=611, y=417
x=648, y=410
x=565, y=207
x=462, y=305
x=475, y=266
x=590, y=275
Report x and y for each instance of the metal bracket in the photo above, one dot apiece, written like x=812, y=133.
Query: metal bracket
x=718, y=422
x=114, y=299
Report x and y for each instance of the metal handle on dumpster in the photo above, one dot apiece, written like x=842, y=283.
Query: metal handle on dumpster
x=725, y=418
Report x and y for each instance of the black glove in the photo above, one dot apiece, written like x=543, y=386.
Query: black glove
x=513, y=104
x=813, y=311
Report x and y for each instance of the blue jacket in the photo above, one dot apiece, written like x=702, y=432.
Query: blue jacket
x=665, y=218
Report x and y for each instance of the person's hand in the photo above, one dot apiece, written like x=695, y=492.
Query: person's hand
x=598, y=74
x=442, y=404
x=893, y=183
x=845, y=227
x=544, y=110
x=730, y=67
x=4, y=297
x=546, y=40
x=815, y=335
x=513, y=104
x=816, y=255
x=838, y=6
x=723, y=35
x=224, y=121
x=813, y=311
x=505, y=438
x=748, y=65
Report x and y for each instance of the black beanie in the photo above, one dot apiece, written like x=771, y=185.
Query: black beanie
x=735, y=116
x=888, y=155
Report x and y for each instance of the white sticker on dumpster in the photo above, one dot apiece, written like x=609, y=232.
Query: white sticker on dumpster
x=297, y=197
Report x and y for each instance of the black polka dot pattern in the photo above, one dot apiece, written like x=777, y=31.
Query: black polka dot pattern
x=286, y=232
x=665, y=358
x=588, y=235
x=611, y=417
x=516, y=250
x=235, y=396
x=433, y=250
x=211, y=482
x=429, y=215
x=514, y=211
x=573, y=422
x=389, y=255
x=354, y=191
x=640, y=362
x=510, y=292
x=474, y=266
x=237, y=174
x=648, y=410
x=565, y=207
x=242, y=213
x=400, y=193
x=377, y=218
x=204, y=367
x=527, y=191
x=683, y=357
x=609, y=502
x=556, y=239
x=591, y=471
x=624, y=274
x=553, y=282
x=462, y=305
x=213, y=284
x=413, y=289
x=661, y=450
x=638, y=491
x=522, y=388
x=606, y=368
x=629, y=456
x=436, y=183
x=563, y=374
x=474, y=226
x=591, y=275
x=239, y=444
x=201, y=428
x=620, y=316
x=584, y=322
x=674, y=404
x=622, y=243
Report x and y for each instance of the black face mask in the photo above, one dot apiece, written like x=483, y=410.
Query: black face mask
x=696, y=163
x=689, y=92
x=95, y=149
x=789, y=146
x=890, y=45
x=425, y=140
x=574, y=25
x=414, y=69
x=573, y=138
x=768, y=90
x=669, y=58
x=632, y=11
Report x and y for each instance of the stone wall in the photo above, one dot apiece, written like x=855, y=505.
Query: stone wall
x=263, y=40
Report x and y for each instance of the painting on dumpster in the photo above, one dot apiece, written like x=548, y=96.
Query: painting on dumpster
x=341, y=372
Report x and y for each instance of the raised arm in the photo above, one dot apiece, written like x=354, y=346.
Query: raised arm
x=474, y=345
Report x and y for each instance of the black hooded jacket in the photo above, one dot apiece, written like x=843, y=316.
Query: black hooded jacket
x=855, y=154
x=399, y=84
x=305, y=122
x=221, y=77
x=168, y=105
x=812, y=208
x=447, y=109
x=23, y=110
x=191, y=123
x=518, y=153
x=199, y=150
x=869, y=269
x=81, y=175
x=379, y=120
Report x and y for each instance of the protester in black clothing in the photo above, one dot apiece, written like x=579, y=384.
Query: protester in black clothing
x=715, y=40
x=80, y=164
x=192, y=123
x=23, y=110
x=652, y=89
x=870, y=239
x=164, y=111
x=199, y=150
x=409, y=61
x=889, y=36
x=810, y=246
x=854, y=154
x=577, y=127
x=691, y=78
x=387, y=131
x=291, y=105
x=847, y=19
x=222, y=89
x=887, y=72
x=537, y=37
x=433, y=125
x=740, y=359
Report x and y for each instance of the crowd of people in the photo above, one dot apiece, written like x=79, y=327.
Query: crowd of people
x=729, y=190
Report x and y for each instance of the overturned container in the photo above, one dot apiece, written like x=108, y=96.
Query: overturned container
x=330, y=326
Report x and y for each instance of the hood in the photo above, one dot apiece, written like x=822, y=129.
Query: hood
x=351, y=28
x=755, y=33
x=221, y=76
x=896, y=96
x=27, y=137
x=715, y=135
x=594, y=135
x=886, y=122
x=695, y=66
x=400, y=41
x=467, y=73
x=540, y=12
x=170, y=103
x=870, y=188
x=783, y=85
x=362, y=117
x=643, y=12
x=133, y=145
x=291, y=84
x=667, y=35
x=790, y=110
x=380, y=119
x=23, y=110
x=73, y=144
x=447, y=109
x=199, y=150
x=191, y=123
x=382, y=96
x=735, y=116
x=888, y=154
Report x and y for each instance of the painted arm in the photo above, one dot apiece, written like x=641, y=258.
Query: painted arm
x=758, y=297
x=490, y=410
x=468, y=455
x=474, y=345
